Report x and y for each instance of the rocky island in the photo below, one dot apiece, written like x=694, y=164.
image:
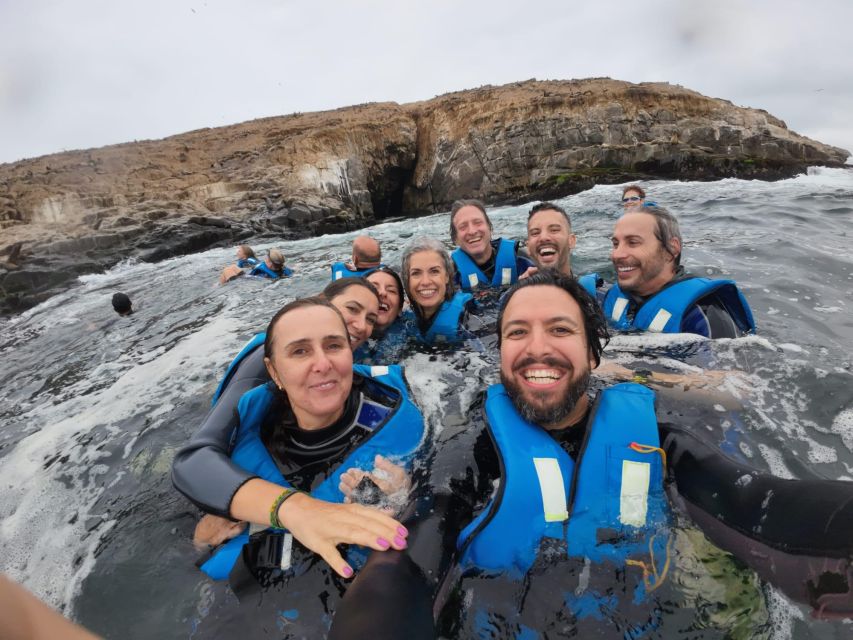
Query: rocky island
x=78, y=212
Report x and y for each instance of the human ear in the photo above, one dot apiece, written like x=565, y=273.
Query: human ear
x=675, y=247
x=273, y=373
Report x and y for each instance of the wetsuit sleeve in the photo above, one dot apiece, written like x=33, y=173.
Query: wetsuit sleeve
x=794, y=533
x=202, y=470
x=695, y=321
x=710, y=318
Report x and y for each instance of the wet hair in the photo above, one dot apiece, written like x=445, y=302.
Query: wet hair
x=456, y=206
x=418, y=245
x=397, y=279
x=122, y=303
x=337, y=287
x=634, y=187
x=666, y=228
x=247, y=251
x=276, y=258
x=594, y=324
x=549, y=206
x=300, y=303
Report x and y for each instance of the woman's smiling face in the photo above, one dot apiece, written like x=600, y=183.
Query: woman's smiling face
x=360, y=308
x=427, y=279
x=390, y=298
x=311, y=362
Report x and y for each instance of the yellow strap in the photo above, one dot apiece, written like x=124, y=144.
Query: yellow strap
x=646, y=448
x=659, y=577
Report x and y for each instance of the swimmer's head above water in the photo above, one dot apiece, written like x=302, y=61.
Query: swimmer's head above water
x=308, y=357
x=358, y=302
x=428, y=273
x=551, y=335
x=390, y=288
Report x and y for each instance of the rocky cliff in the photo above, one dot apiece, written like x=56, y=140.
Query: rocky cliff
x=81, y=211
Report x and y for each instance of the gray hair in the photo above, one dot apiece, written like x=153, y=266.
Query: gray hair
x=425, y=243
x=666, y=228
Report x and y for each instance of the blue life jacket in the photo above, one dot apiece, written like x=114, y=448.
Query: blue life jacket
x=247, y=262
x=446, y=324
x=395, y=434
x=385, y=348
x=606, y=508
x=265, y=272
x=470, y=276
x=251, y=345
x=665, y=311
x=341, y=270
x=590, y=283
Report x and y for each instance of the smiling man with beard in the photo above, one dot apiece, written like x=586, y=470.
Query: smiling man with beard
x=545, y=515
x=538, y=489
x=653, y=292
x=550, y=242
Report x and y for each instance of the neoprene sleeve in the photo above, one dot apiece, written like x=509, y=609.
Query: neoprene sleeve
x=202, y=470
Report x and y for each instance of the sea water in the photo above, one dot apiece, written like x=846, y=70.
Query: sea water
x=94, y=406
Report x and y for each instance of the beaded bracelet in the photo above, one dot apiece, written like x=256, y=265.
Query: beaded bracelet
x=275, y=523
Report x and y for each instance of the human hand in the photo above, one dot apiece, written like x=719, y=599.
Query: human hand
x=390, y=478
x=321, y=526
x=213, y=530
x=531, y=271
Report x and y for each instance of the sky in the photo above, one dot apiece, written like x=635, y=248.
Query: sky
x=88, y=73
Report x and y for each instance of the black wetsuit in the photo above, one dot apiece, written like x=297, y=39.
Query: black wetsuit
x=297, y=602
x=749, y=518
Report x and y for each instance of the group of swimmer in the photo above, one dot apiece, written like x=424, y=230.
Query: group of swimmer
x=271, y=267
x=315, y=450
x=307, y=453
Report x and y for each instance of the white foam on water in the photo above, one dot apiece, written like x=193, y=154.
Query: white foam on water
x=782, y=613
x=45, y=511
x=773, y=459
x=429, y=380
x=842, y=424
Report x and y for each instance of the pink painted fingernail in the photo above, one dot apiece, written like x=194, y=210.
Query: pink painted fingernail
x=382, y=542
x=400, y=542
x=347, y=571
x=402, y=531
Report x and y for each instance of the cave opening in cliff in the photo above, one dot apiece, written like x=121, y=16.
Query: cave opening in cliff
x=386, y=194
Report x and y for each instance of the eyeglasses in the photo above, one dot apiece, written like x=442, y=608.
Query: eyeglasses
x=632, y=199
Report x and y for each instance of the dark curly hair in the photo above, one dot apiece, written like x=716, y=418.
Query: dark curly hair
x=595, y=326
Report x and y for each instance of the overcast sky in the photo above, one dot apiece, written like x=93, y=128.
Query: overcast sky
x=84, y=73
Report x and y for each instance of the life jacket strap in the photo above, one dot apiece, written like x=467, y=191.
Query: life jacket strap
x=646, y=448
x=652, y=578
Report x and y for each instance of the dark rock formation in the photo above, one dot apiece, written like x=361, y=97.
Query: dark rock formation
x=76, y=212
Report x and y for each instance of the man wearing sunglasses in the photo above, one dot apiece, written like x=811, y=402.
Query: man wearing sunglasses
x=654, y=293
